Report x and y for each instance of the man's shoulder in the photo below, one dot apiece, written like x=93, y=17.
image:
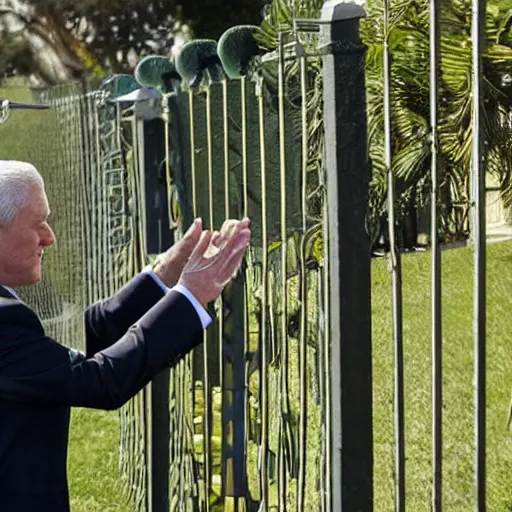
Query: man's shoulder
x=14, y=312
x=11, y=302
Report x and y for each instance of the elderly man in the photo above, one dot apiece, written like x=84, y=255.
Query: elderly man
x=147, y=326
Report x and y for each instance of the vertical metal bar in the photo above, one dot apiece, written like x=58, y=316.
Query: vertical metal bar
x=84, y=207
x=243, y=92
x=138, y=200
x=479, y=244
x=206, y=380
x=243, y=86
x=327, y=365
x=103, y=227
x=92, y=209
x=148, y=473
x=207, y=388
x=437, y=345
x=209, y=143
x=303, y=350
x=243, y=382
x=166, y=116
x=226, y=394
x=100, y=191
x=284, y=271
x=232, y=343
x=180, y=391
x=225, y=120
x=158, y=237
x=193, y=168
x=396, y=272
x=263, y=459
x=348, y=176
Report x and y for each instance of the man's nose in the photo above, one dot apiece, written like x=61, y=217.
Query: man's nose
x=49, y=238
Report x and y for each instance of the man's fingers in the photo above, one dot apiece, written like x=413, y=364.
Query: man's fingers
x=201, y=247
x=219, y=259
x=232, y=265
x=195, y=229
x=235, y=254
x=228, y=229
x=213, y=248
x=228, y=226
x=240, y=235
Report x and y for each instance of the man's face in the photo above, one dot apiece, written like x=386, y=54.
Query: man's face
x=22, y=241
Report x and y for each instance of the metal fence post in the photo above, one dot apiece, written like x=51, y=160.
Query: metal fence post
x=348, y=175
x=158, y=238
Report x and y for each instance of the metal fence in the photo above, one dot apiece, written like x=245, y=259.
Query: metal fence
x=276, y=411
x=249, y=424
x=280, y=411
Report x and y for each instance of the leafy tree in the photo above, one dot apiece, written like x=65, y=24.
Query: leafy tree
x=76, y=38
x=117, y=27
x=409, y=47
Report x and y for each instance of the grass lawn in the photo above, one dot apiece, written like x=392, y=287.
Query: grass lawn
x=94, y=480
x=457, y=379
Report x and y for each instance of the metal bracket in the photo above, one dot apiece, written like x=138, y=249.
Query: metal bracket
x=6, y=106
x=4, y=111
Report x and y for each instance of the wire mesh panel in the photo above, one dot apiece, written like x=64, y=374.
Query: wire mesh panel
x=52, y=141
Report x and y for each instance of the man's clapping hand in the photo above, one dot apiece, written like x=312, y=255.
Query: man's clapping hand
x=171, y=263
x=215, y=260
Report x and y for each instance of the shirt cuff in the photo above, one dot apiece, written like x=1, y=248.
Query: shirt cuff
x=149, y=271
x=204, y=316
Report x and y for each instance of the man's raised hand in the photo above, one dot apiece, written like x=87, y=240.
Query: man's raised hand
x=215, y=260
x=172, y=262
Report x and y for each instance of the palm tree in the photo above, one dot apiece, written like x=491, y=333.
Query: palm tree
x=409, y=47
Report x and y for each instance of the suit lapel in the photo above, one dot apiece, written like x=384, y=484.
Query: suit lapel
x=6, y=294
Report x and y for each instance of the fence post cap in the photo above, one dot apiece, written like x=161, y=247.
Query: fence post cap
x=339, y=10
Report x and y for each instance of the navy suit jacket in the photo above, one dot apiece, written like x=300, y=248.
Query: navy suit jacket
x=130, y=338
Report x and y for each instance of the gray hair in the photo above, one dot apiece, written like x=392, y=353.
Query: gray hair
x=16, y=179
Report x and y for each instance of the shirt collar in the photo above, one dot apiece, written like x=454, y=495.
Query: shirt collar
x=11, y=291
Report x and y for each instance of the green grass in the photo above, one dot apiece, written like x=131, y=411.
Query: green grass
x=458, y=490
x=26, y=131
x=94, y=482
